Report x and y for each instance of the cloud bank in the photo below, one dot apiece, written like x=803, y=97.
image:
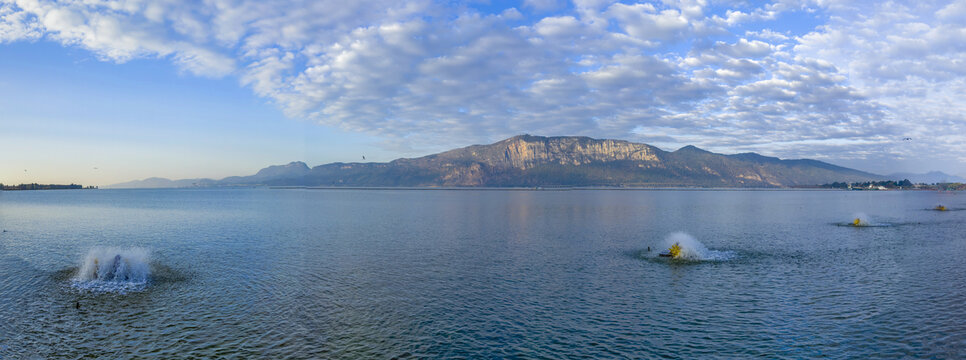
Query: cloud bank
x=789, y=78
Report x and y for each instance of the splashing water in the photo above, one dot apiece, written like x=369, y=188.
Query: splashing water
x=693, y=250
x=863, y=220
x=113, y=270
x=860, y=219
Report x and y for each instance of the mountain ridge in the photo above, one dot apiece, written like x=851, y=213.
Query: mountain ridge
x=931, y=177
x=529, y=160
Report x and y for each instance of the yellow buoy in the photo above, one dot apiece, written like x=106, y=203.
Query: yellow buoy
x=856, y=222
x=674, y=250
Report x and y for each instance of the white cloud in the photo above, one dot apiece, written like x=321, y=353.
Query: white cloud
x=558, y=26
x=110, y=31
x=671, y=71
x=16, y=25
x=543, y=5
x=953, y=11
x=644, y=21
x=768, y=35
x=745, y=49
x=910, y=58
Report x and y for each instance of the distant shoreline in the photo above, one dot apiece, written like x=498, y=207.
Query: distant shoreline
x=35, y=186
x=543, y=188
x=552, y=188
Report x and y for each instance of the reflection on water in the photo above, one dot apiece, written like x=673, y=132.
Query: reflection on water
x=244, y=273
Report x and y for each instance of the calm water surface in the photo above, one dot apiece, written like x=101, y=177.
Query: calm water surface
x=242, y=273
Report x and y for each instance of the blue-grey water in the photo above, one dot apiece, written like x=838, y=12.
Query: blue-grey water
x=296, y=273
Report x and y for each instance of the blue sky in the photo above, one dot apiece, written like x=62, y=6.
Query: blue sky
x=104, y=91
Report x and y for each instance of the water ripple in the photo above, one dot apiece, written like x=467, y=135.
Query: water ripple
x=301, y=274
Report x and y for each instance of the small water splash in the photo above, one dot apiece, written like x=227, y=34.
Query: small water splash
x=691, y=249
x=113, y=270
x=862, y=220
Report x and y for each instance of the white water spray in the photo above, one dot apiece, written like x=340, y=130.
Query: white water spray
x=694, y=250
x=114, y=270
x=863, y=220
x=860, y=219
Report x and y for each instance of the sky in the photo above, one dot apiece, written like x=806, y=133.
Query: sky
x=103, y=91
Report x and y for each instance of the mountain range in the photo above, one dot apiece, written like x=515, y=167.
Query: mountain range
x=531, y=161
x=931, y=177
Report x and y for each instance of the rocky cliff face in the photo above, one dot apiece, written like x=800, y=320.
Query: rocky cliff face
x=525, y=152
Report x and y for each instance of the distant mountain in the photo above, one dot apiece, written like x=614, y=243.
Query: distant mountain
x=528, y=161
x=931, y=177
x=157, y=182
x=293, y=173
x=580, y=161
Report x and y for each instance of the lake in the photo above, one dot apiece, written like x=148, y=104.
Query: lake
x=307, y=273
